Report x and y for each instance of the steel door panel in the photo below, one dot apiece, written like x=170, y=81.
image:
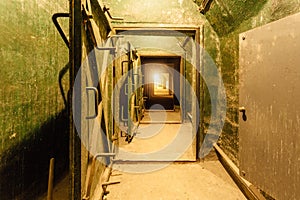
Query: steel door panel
x=270, y=93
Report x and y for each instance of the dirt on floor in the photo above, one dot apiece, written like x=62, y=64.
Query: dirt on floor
x=150, y=177
x=203, y=180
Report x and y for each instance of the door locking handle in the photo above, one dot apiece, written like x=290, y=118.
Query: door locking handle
x=126, y=88
x=243, y=111
x=95, y=90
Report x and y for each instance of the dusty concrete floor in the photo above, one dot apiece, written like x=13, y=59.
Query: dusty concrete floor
x=146, y=178
x=206, y=180
x=160, y=142
x=155, y=116
x=160, y=137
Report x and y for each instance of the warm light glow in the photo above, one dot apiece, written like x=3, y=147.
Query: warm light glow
x=157, y=80
x=161, y=83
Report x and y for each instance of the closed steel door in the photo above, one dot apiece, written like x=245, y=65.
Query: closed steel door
x=270, y=107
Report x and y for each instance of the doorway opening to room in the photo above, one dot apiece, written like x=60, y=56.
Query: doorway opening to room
x=162, y=89
x=158, y=106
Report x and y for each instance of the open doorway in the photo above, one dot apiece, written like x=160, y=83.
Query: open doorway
x=163, y=86
x=167, y=127
x=162, y=91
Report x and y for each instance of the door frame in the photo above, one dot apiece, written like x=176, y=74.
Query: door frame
x=197, y=33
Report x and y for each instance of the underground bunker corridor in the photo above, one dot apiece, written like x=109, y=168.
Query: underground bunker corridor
x=127, y=99
x=158, y=72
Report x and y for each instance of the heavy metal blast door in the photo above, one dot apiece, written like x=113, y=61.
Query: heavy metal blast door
x=270, y=107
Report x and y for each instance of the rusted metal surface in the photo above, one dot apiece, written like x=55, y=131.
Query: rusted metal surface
x=270, y=119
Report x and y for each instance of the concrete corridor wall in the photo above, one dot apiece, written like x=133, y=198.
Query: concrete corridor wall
x=33, y=117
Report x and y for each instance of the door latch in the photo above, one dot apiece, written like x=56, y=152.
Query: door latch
x=243, y=111
x=95, y=90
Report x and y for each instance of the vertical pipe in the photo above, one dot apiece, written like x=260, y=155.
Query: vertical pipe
x=201, y=43
x=199, y=114
x=50, y=180
x=129, y=83
x=75, y=62
x=183, y=88
x=194, y=99
x=113, y=82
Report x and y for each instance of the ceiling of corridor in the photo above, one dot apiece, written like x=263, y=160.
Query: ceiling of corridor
x=225, y=16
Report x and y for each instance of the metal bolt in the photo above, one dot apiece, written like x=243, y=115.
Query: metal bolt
x=243, y=173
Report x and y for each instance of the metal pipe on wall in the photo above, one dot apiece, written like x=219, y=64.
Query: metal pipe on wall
x=75, y=63
x=201, y=84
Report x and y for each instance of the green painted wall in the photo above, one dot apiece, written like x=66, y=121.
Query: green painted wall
x=32, y=114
